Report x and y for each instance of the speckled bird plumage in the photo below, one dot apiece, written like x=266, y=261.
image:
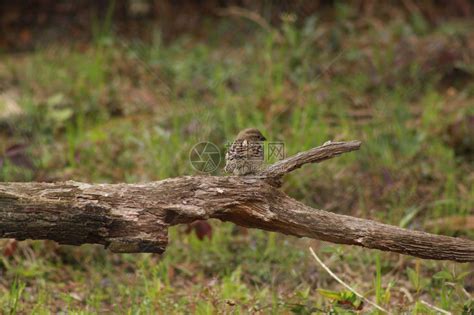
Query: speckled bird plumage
x=246, y=154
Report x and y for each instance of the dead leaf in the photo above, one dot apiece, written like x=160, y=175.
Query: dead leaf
x=202, y=229
x=10, y=248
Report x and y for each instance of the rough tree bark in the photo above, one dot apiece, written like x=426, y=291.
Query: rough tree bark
x=136, y=217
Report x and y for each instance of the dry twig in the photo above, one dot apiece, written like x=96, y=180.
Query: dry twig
x=345, y=284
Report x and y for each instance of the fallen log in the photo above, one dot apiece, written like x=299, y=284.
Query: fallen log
x=129, y=218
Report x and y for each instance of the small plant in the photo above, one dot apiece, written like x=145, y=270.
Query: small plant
x=343, y=299
x=16, y=292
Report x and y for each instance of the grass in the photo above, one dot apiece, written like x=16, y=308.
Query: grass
x=117, y=111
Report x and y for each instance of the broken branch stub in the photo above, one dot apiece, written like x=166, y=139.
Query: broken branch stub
x=276, y=171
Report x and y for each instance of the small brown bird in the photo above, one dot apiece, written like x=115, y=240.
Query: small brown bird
x=245, y=155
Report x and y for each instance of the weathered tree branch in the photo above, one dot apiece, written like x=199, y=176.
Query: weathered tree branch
x=315, y=155
x=136, y=217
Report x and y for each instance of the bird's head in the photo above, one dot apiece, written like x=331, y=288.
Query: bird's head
x=251, y=134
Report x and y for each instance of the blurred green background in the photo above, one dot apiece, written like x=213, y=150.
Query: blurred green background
x=110, y=92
